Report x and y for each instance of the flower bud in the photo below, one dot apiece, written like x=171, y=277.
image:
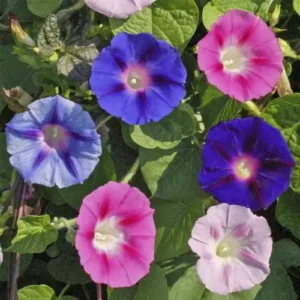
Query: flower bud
x=275, y=15
x=19, y=33
x=16, y=98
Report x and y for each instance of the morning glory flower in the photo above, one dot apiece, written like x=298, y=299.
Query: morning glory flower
x=118, y=8
x=55, y=142
x=246, y=162
x=234, y=246
x=241, y=56
x=116, y=235
x=138, y=78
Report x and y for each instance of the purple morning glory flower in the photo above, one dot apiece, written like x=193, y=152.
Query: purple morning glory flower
x=55, y=142
x=138, y=78
x=246, y=162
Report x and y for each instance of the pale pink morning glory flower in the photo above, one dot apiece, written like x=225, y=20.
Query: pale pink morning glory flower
x=116, y=234
x=241, y=56
x=234, y=246
x=118, y=8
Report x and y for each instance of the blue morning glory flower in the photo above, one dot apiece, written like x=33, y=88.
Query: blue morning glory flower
x=55, y=142
x=246, y=162
x=138, y=78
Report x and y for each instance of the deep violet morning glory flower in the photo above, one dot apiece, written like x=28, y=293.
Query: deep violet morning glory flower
x=55, y=142
x=118, y=8
x=116, y=235
x=246, y=162
x=138, y=78
x=241, y=56
x=234, y=246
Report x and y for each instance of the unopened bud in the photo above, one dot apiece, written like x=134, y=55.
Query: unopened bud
x=275, y=15
x=283, y=85
x=20, y=34
x=17, y=99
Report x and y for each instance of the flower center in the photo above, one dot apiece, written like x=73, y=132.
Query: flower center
x=135, y=81
x=136, y=78
x=54, y=135
x=245, y=167
x=227, y=248
x=108, y=236
x=233, y=59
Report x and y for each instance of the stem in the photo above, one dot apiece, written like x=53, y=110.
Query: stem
x=196, y=142
x=100, y=124
x=99, y=292
x=252, y=108
x=63, y=291
x=127, y=178
x=64, y=223
x=19, y=199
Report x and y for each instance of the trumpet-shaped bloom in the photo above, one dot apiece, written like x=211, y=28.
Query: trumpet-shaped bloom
x=138, y=78
x=116, y=234
x=118, y=8
x=246, y=162
x=55, y=142
x=241, y=56
x=234, y=246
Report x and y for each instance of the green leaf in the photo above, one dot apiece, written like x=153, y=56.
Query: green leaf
x=74, y=195
x=36, y=292
x=173, y=174
x=45, y=8
x=173, y=21
x=76, y=63
x=283, y=113
x=225, y=5
x=296, y=5
x=278, y=284
x=210, y=14
x=215, y=106
x=66, y=267
x=174, y=222
x=34, y=234
x=288, y=212
x=168, y=132
x=188, y=286
x=69, y=298
x=6, y=168
x=245, y=295
x=49, y=36
x=152, y=286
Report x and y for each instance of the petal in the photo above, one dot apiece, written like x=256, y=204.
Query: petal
x=118, y=8
x=84, y=246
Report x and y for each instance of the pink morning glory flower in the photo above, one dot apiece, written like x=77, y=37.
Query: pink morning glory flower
x=116, y=234
x=234, y=246
x=118, y=8
x=241, y=56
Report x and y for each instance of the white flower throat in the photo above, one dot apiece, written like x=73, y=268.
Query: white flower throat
x=107, y=235
x=233, y=59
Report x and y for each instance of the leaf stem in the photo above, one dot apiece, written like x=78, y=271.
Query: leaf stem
x=252, y=108
x=128, y=177
x=63, y=291
x=101, y=123
x=64, y=223
x=64, y=13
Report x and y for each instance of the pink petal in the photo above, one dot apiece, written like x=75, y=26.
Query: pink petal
x=118, y=8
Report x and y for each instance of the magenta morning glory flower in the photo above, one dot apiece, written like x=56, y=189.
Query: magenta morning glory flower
x=246, y=162
x=234, y=246
x=116, y=235
x=55, y=142
x=118, y=8
x=241, y=56
x=138, y=78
